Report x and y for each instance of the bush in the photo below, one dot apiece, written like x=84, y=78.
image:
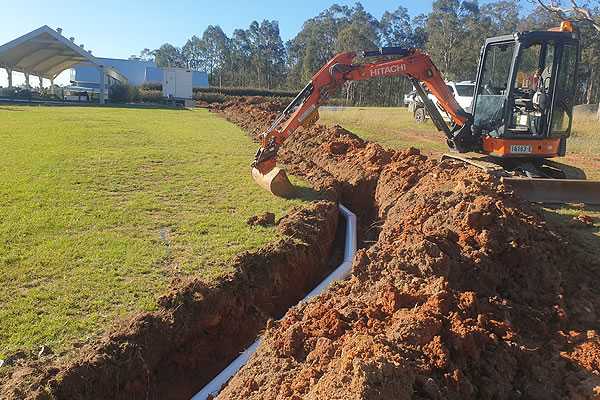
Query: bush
x=16, y=93
x=151, y=87
x=123, y=93
x=245, y=92
x=150, y=95
x=211, y=97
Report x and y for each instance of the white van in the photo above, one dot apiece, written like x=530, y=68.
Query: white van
x=463, y=93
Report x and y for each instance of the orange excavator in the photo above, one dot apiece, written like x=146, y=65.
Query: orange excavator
x=521, y=114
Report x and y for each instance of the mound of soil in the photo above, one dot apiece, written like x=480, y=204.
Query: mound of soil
x=173, y=352
x=467, y=293
x=266, y=219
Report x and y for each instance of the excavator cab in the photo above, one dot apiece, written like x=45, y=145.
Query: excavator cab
x=525, y=92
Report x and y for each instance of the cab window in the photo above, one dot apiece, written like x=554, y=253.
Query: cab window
x=564, y=98
x=493, y=84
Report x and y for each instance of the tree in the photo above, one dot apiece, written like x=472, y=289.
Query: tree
x=586, y=15
x=194, y=53
x=241, y=53
x=356, y=36
x=452, y=33
x=573, y=11
x=267, y=53
x=454, y=37
x=146, y=55
x=502, y=17
x=168, y=55
x=397, y=29
x=216, y=52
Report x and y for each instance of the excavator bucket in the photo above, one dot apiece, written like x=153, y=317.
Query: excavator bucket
x=275, y=181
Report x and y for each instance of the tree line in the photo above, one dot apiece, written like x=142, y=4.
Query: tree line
x=452, y=33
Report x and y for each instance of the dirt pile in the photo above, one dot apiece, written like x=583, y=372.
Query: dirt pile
x=466, y=294
x=173, y=352
x=264, y=220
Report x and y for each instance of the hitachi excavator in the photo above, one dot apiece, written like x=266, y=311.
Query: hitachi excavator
x=521, y=114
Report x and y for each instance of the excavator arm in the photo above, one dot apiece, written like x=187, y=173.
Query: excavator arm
x=303, y=110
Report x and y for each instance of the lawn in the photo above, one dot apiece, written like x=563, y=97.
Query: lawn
x=100, y=208
x=396, y=128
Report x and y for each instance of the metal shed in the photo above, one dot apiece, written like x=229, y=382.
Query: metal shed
x=45, y=53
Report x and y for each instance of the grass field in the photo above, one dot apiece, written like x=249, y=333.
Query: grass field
x=396, y=128
x=585, y=137
x=101, y=207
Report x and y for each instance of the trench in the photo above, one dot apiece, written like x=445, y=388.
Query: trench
x=341, y=272
x=467, y=293
x=199, y=329
x=446, y=253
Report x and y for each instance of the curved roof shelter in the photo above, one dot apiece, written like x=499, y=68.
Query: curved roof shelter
x=46, y=53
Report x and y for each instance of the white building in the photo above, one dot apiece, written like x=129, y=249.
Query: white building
x=45, y=53
x=137, y=72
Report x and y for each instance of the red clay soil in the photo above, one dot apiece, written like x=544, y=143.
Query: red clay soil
x=264, y=220
x=467, y=293
x=199, y=329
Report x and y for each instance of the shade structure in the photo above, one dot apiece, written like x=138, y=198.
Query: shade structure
x=45, y=52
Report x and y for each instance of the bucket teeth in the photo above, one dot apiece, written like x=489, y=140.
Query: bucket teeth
x=275, y=181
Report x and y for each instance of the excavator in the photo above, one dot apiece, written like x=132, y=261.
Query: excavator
x=521, y=115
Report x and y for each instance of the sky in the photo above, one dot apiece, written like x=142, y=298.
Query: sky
x=120, y=28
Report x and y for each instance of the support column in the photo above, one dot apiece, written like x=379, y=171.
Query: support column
x=52, y=86
x=41, y=82
x=27, y=81
x=102, y=84
x=9, y=72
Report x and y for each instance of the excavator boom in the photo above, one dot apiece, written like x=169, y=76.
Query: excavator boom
x=303, y=110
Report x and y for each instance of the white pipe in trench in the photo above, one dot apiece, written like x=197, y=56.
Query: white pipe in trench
x=214, y=387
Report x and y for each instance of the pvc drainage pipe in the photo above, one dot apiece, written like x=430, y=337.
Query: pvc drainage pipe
x=341, y=272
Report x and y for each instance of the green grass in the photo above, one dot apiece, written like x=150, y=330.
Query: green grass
x=101, y=207
x=585, y=135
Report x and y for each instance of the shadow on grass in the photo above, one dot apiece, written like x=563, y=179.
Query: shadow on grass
x=587, y=237
x=307, y=194
x=51, y=103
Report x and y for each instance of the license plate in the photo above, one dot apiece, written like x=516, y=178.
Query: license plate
x=520, y=148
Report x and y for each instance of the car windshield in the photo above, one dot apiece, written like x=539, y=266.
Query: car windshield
x=465, y=90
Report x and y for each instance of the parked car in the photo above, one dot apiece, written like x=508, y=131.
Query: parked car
x=409, y=98
x=462, y=91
